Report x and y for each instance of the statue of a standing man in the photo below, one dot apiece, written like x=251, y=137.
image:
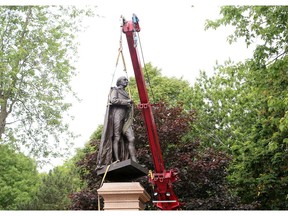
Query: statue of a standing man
x=117, y=141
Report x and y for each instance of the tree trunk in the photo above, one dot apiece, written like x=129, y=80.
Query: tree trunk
x=3, y=117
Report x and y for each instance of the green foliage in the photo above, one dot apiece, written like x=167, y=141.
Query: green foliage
x=19, y=179
x=265, y=26
x=257, y=113
x=161, y=88
x=56, y=187
x=38, y=51
x=224, y=106
x=97, y=133
x=54, y=190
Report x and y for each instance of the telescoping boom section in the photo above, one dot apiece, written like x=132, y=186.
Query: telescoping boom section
x=161, y=179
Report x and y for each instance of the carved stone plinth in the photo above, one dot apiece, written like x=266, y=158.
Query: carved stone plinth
x=123, y=196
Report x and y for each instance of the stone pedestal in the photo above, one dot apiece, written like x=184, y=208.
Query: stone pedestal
x=123, y=196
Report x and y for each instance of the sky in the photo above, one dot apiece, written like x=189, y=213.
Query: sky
x=173, y=39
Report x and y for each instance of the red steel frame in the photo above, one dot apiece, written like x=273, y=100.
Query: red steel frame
x=161, y=178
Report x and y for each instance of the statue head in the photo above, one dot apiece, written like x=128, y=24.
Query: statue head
x=122, y=81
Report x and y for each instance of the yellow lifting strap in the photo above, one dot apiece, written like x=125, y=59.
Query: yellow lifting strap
x=107, y=168
x=103, y=179
x=120, y=53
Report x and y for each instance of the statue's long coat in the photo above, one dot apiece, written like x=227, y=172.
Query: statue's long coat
x=117, y=110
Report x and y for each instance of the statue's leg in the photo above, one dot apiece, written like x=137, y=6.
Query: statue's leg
x=117, y=135
x=131, y=147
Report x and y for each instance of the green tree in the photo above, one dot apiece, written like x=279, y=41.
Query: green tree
x=54, y=190
x=19, y=178
x=37, y=53
x=56, y=187
x=159, y=87
x=223, y=105
x=259, y=168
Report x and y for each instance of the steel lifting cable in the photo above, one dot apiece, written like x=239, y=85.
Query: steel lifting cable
x=145, y=69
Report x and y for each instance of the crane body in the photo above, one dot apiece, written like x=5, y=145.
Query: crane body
x=161, y=179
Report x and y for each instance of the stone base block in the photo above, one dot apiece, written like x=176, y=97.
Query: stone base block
x=123, y=196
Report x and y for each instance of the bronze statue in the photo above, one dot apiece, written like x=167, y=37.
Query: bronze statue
x=117, y=140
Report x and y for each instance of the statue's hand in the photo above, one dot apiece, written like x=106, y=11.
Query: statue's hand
x=130, y=103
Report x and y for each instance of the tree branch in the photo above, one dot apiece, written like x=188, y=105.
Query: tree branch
x=8, y=123
x=276, y=58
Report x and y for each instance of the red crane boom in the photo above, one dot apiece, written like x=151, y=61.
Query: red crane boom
x=161, y=178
